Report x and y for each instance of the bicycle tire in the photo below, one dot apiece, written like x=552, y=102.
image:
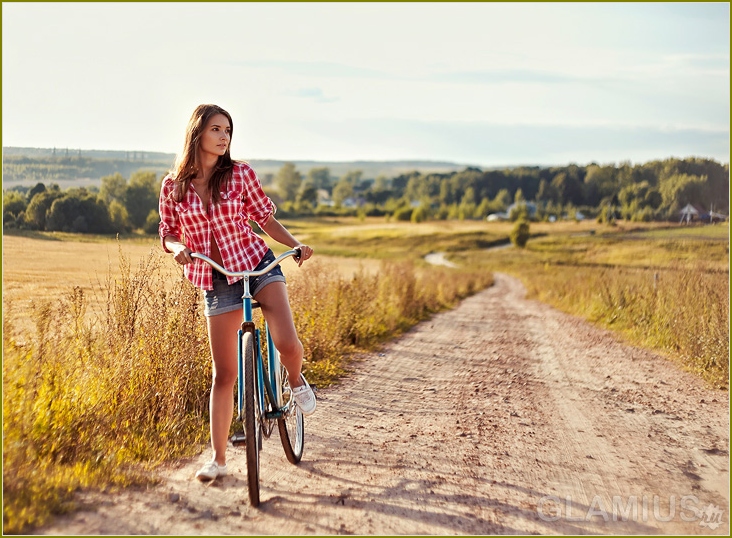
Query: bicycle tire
x=292, y=425
x=251, y=420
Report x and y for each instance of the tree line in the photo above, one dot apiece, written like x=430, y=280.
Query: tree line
x=116, y=206
x=656, y=190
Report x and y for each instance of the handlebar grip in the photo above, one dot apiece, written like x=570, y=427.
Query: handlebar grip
x=299, y=253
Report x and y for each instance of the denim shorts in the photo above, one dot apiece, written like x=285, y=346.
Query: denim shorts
x=227, y=298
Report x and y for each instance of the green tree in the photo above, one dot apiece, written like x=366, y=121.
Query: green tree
x=600, y=184
x=113, y=187
x=307, y=198
x=35, y=213
x=568, y=188
x=320, y=178
x=502, y=199
x=141, y=197
x=353, y=177
x=39, y=187
x=416, y=189
x=446, y=197
x=342, y=191
x=546, y=192
x=288, y=181
x=681, y=189
x=420, y=214
x=404, y=213
x=519, y=196
x=78, y=212
x=119, y=217
x=484, y=208
x=151, y=222
x=13, y=203
x=467, y=205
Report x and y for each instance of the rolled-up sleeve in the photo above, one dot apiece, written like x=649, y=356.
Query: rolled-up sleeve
x=168, y=215
x=256, y=202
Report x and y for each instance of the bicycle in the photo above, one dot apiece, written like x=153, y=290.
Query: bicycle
x=264, y=395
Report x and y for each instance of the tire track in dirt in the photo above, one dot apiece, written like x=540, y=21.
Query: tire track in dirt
x=502, y=416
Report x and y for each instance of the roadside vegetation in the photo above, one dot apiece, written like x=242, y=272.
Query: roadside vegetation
x=103, y=384
x=666, y=290
x=95, y=397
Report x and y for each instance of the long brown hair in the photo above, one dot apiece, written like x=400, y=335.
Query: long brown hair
x=186, y=165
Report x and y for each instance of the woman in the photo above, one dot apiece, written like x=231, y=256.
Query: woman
x=206, y=203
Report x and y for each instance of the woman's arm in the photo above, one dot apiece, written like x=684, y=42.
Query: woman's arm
x=279, y=233
x=181, y=252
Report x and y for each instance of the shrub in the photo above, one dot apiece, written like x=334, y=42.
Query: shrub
x=403, y=213
x=520, y=233
x=420, y=214
x=152, y=222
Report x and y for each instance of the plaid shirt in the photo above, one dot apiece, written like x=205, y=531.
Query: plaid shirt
x=242, y=199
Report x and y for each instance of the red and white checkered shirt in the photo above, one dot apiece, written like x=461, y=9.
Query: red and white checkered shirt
x=242, y=200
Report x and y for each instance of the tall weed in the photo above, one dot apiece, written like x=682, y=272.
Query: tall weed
x=680, y=311
x=95, y=398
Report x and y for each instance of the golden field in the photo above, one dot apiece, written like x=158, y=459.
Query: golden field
x=106, y=363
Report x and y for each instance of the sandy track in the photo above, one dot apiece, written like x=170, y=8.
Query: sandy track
x=502, y=416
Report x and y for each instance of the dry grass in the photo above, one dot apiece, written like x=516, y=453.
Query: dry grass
x=106, y=365
x=102, y=382
x=667, y=290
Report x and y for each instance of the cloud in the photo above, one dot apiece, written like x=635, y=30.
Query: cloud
x=315, y=94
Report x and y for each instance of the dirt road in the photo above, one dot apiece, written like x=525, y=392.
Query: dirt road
x=502, y=416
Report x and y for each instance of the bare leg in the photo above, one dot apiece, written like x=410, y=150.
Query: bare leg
x=222, y=330
x=276, y=309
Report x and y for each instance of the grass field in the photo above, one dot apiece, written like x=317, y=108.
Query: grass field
x=86, y=317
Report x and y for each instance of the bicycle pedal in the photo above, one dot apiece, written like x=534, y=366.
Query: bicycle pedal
x=239, y=439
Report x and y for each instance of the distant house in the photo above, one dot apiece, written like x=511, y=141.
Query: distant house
x=713, y=215
x=530, y=208
x=324, y=198
x=495, y=217
x=692, y=213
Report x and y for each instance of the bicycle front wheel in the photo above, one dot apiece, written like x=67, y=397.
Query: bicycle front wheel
x=291, y=426
x=251, y=417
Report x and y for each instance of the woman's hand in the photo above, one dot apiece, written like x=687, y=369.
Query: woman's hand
x=305, y=253
x=181, y=253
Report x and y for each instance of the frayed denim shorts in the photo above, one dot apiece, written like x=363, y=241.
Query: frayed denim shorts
x=227, y=298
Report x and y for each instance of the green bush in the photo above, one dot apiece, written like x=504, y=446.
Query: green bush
x=420, y=214
x=403, y=214
x=520, y=233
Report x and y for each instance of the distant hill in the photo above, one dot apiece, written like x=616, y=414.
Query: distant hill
x=75, y=167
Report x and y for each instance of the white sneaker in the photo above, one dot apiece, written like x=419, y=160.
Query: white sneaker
x=211, y=471
x=304, y=397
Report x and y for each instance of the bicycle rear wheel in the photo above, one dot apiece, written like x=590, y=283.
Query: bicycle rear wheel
x=291, y=426
x=251, y=417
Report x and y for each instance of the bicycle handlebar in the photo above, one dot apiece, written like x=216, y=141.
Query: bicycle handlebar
x=295, y=253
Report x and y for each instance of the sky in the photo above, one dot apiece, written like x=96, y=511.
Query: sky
x=484, y=84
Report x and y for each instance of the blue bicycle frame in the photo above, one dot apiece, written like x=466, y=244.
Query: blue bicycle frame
x=269, y=385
